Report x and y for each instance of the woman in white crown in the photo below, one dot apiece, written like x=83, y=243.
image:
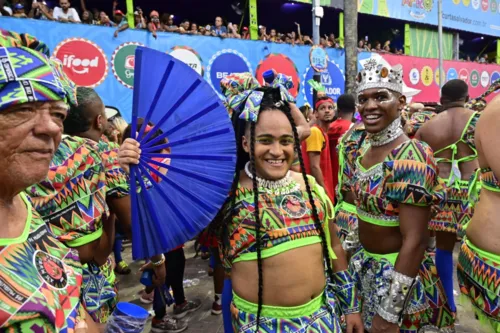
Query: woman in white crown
x=395, y=184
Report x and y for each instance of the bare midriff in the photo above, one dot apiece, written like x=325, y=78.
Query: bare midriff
x=484, y=228
x=291, y=278
x=370, y=236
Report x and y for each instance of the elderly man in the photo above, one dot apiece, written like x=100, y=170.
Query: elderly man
x=40, y=277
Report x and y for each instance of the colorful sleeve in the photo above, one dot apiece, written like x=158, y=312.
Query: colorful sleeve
x=327, y=205
x=116, y=179
x=410, y=174
x=315, y=141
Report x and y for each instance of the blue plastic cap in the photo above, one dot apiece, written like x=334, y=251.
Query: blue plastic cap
x=131, y=310
x=268, y=76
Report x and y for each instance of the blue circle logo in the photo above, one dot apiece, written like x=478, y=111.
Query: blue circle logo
x=452, y=74
x=494, y=77
x=318, y=59
x=223, y=63
x=332, y=79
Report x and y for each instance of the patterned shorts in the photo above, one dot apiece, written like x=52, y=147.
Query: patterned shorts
x=479, y=280
x=346, y=220
x=99, y=297
x=317, y=316
x=428, y=306
x=455, y=212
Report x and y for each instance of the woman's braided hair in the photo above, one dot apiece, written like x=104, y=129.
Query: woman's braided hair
x=271, y=101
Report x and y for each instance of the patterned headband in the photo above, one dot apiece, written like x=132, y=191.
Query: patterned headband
x=241, y=94
x=29, y=76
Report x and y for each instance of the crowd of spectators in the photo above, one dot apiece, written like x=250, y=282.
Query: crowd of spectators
x=155, y=23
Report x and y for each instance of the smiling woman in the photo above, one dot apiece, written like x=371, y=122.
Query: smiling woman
x=278, y=218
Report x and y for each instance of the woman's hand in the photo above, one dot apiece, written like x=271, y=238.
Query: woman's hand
x=354, y=323
x=380, y=325
x=129, y=153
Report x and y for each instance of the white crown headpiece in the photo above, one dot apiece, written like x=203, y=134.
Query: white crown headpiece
x=375, y=75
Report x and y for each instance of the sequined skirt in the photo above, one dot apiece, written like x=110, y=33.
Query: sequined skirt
x=454, y=213
x=346, y=220
x=479, y=280
x=428, y=306
x=317, y=316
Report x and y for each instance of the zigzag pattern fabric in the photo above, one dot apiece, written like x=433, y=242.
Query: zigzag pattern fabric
x=428, y=306
x=72, y=199
x=347, y=149
x=285, y=218
x=40, y=281
x=99, y=296
x=323, y=320
x=407, y=176
x=479, y=280
x=417, y=120
x=116, y=179
x=455, y=212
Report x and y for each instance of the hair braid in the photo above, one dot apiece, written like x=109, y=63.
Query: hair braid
x=257, y=222
x=317, y=222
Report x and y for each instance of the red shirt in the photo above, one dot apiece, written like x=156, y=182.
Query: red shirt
x=318, y=142
x=335, y=132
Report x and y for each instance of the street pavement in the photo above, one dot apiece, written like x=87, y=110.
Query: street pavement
x=202, y=321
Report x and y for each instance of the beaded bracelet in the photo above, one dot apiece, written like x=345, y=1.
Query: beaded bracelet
x=159, y=262
x=346, y=292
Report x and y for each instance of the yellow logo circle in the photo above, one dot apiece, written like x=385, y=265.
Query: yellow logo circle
x=436, y=76
x=456, y=2
x=466, y=3
x=427, y=76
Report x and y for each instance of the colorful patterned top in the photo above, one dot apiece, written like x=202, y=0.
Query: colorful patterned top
x=407, y=176
x=348, y=150
x=72, y=199
x=287, y=223
x=417, y=120
x=489, y=180
x=40, y=280
x=116, y=178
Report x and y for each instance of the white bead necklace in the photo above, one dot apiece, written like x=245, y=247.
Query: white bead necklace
x=285, y=185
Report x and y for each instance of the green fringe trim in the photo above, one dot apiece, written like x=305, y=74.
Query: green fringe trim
x=486, y=323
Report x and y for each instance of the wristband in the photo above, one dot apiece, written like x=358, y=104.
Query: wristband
x=346, y=292
x=392, y=305
x=159, y=262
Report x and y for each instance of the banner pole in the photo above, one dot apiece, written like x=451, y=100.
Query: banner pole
x=254, y=26
x=341, y=29
x=440, y=41
x=130, y=14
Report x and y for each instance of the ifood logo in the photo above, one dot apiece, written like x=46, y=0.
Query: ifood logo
x=83, y=61
x=485, y=5
x=80, y=66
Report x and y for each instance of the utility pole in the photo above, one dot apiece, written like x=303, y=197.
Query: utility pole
x=351, y=44
x=317, y=15
x=440, y=42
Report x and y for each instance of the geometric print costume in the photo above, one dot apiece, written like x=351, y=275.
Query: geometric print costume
x=287, y=223
x=72, y=201
x=457, y=210
x=346, y=218
x=40, y=280
x=408, y=176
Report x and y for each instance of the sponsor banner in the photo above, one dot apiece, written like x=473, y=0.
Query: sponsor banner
x=478, y=16
x=421, y=75
x=93, y=57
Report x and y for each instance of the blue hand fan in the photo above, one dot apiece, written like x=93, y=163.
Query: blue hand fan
x=189, y=125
